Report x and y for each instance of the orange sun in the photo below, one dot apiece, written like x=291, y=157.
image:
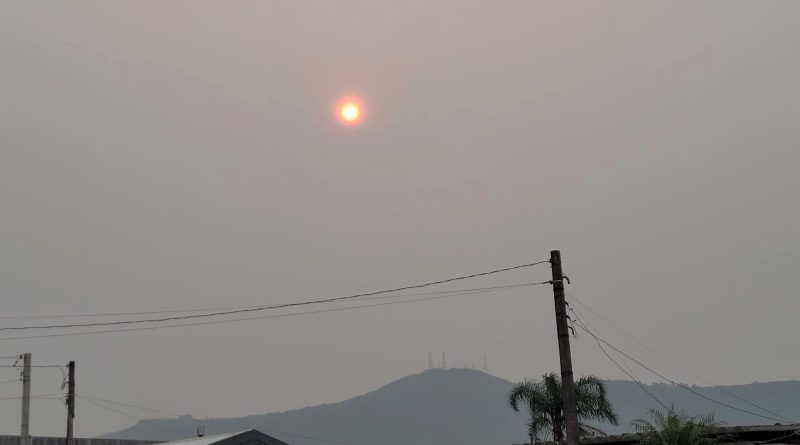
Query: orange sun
x=350, y=111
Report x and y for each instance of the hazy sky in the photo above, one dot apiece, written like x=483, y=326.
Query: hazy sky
x=182, y=154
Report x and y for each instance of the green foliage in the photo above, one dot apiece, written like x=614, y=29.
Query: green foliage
x=672, y=427
x=543, y=399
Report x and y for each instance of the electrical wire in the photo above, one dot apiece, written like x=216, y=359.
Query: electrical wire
x=61, y=368
x=782, y=438
x=673, y=363
x=620, y=358
x=224, y=308
x=128, y=405
x=10, y=381
x=581, y=324
x=37, y=397
x=269, y=307
x=237, y=426
x=687, y=388
x=236, y=320
x=32, y=366
x=84, y=396
x=318, y=439
x=122, y=413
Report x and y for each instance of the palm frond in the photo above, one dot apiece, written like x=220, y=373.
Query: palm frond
x=674, y=427
x=546, y=408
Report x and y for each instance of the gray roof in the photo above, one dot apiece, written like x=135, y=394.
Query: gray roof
x=249, y=437
x=739, y=435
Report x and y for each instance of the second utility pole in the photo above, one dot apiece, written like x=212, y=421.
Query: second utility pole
x=569, y=397
x=70, y=401
x=25, y=431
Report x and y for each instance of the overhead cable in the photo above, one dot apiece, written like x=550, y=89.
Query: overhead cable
x=236, y=320
x=89, y=399
x=678, y=366
x=229, y=308
x=681, y=385
x=627, y=372
x=269, y=307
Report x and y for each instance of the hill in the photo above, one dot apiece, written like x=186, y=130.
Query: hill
x=456, y=407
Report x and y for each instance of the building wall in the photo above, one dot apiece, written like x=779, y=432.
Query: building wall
x=38, y=440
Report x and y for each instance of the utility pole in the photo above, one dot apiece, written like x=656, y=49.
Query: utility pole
x=567, y=380
x=25, y=432
x=70, y=400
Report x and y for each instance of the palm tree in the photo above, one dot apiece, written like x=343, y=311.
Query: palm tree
x=544, y=402
x=671, y=427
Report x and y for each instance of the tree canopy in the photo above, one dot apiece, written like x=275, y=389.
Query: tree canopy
x=544, y=402
x=673, y=427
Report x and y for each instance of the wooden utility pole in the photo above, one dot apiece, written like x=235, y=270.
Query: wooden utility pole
x=25, y=432
x=70, y=400
x=567, y=381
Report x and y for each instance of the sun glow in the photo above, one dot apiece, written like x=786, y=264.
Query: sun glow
x=350, y=111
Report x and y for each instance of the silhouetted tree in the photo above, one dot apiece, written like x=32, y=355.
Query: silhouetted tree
x=546, y=408
x=672, y=427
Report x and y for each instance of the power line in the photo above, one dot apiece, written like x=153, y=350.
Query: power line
x=97, y=399
x=59, y=367
x=202, y=323
x=32, y=366
x=269, y=307
x=40, y=397
x=109, y=314
x=318, y=439
x=10, y=381
x=673, y=363
x=279, y=433
x=622, y=361
x=228, y=308
x=84, y=396
x=122, y=413
x=585, y=320
x=599, y=339
x=629, y=372
x=638, y=382
x=782, y=438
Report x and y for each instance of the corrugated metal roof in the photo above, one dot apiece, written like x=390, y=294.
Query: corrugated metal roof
x=746, y=434
x=248, y=437
x=207, y=440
